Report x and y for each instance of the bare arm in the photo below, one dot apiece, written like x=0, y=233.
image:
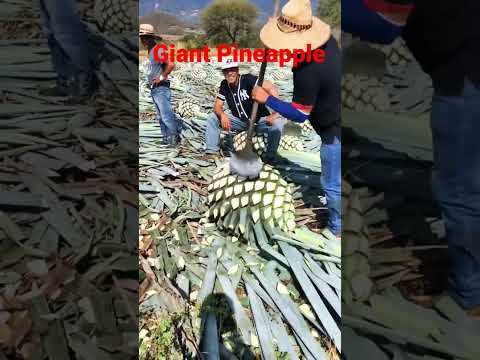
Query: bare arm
x=218, y=107
x=271, y=89
x=169, y=66
x=218, y=110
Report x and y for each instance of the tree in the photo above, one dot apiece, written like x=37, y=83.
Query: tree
x=330, y=11
x=229, y=21
x=193, y=41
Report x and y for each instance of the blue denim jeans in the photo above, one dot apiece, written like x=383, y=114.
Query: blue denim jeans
x=68, y=40
x=455, y=122
x=274, y=133
x=169, y=125
x=331, y=180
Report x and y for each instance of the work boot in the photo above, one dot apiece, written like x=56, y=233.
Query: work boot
x=174, y=141
x=474, y=312
x=85, y=84
x=56, y=91
x=212, y=156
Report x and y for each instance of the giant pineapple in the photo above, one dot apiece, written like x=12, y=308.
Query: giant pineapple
x=198, y=73
x=356, y=282
x=364, y=93
x=307, y=128
x=260, y=142
x=237, y=204
x=188, y=108
x=116, y=16
x=397, y=53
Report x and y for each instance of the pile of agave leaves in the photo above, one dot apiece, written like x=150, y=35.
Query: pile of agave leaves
x=267, y=293
x=68, y=275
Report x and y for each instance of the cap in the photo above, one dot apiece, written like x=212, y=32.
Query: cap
x=229, y=63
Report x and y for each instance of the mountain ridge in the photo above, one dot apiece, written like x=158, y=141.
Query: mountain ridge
x=190, y=9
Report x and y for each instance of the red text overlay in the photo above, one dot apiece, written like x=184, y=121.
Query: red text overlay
x=164, y=53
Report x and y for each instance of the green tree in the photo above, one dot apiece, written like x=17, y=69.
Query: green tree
x=330, y=11
x=229, y=21
x=193, y=41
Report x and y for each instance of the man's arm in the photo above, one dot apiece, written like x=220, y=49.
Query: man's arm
x=218, y=110
x=169, y=66
x=371, y=25
x=273, y=91
x=292, y=111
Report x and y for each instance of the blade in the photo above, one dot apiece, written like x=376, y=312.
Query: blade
x=246, y=164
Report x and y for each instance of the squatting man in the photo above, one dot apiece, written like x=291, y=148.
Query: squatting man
x=236, y=90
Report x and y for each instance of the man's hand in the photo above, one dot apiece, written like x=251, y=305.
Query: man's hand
x=158, y=79
x=260, y=95
x=270, y=119
x=225, y=122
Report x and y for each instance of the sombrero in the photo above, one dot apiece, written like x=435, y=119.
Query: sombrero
x=148, y=30
x=295, y=28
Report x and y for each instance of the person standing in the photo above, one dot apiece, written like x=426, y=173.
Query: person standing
x=316, y=93
x=67, y=39
x=444, y=38
x=157, y=78
x=236, y=90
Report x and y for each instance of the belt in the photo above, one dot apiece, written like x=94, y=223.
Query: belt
x=165, y=83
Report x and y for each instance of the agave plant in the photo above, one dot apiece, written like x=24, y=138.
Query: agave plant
x=238, y=204
x=188, y=108
x=307, y=128
x=115, y=16
x=259, y=142
x=364, y=93
x=291, y=143
x=397, y=53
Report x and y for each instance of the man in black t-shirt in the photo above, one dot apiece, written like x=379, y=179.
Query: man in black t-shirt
x=316, y=94
x=236, y=90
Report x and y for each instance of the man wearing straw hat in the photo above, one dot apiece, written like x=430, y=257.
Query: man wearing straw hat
x=157, y=78
x=316, y=94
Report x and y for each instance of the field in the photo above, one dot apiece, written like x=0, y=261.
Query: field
x=223, y=273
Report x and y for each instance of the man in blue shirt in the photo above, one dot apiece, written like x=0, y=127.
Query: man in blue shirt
x=376, y=21
x=157, y=77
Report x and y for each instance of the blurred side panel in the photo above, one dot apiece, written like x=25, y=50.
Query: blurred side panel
x=68, y=179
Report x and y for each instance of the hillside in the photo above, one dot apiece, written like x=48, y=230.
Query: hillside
x=165, y=23
x=189, y=9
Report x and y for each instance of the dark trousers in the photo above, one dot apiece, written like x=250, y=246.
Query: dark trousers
x=455, y=122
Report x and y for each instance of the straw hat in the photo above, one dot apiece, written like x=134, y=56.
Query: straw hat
x=147, y=30
x=295, y=28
